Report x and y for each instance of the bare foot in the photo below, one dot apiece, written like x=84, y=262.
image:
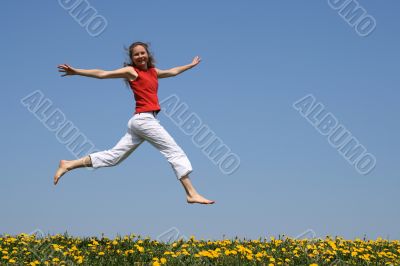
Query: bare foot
x=199, y=199
x=62, y=169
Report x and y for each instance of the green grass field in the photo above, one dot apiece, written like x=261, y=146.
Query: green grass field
x=26, y=249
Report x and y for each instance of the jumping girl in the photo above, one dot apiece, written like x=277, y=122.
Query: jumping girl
x=142, y=76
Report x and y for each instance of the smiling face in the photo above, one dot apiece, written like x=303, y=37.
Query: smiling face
x=140, y=57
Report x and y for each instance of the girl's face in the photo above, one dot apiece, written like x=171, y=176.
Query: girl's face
x=140, y=57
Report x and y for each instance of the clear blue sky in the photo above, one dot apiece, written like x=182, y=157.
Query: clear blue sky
x=258, y=58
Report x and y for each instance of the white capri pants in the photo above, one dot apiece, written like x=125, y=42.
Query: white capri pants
x=141, y=127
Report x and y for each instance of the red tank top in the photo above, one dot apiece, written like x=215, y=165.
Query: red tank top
x=145, y=88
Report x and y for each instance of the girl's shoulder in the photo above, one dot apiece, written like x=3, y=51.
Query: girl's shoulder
x=152, y=71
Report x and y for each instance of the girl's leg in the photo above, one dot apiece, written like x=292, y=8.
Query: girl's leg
x=126, y=145
x=191, y=194
x=152, y=131
x=66, y=166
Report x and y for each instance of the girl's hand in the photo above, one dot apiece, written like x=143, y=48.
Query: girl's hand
x=67, y=70
x=196, y=61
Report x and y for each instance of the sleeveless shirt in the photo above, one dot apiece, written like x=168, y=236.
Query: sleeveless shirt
x=145, y=88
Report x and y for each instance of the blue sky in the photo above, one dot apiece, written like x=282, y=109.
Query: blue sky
x=258, y=58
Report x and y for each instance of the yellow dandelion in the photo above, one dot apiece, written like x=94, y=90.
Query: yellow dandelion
x=34, y=263
x=79, y=259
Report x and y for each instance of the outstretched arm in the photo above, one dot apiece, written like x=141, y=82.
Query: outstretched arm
x=177, y=70
x=125, y=72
